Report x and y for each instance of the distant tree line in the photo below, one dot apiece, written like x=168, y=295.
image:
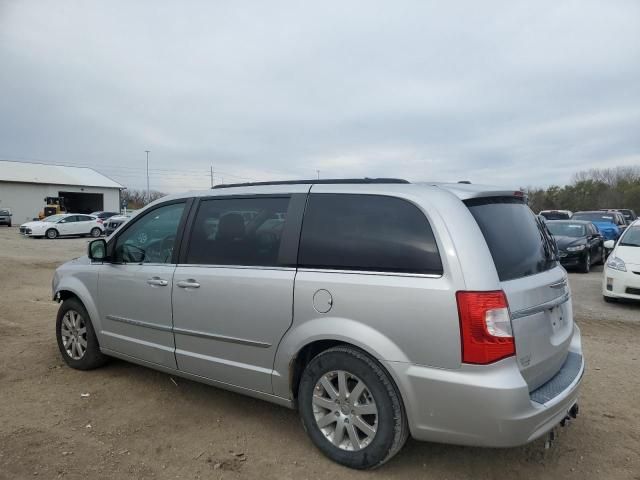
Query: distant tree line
x=590, y=190
x=138, y=198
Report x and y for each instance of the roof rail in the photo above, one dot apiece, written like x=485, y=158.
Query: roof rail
x=323, y=181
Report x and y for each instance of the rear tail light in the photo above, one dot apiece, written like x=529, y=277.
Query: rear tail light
x=100, y=220
x=485, y=327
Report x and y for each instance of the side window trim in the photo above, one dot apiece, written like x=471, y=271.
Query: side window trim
x=382, y=273
x=188, y=202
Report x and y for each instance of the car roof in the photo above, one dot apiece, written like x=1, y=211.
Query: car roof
x=580, y=222
x=593, y=211
x=463, y=191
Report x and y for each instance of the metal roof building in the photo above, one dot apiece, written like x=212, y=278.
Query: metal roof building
x=24, y=186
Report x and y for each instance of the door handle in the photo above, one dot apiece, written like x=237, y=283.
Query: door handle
x=190, y=283
x=157, y=282
x=560, y=284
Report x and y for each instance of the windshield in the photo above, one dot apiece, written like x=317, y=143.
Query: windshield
x=4, y=212
x=566, y=229
x=631, y=237
x=53, y=218
x=594, y=217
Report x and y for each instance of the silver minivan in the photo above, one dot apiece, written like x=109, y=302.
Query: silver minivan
x=378, y=308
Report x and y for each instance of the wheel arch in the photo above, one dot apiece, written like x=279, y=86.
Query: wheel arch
x=303, y=343
x=77, y=290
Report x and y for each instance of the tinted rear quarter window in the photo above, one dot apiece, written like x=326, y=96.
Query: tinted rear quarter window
x=518, y=243
x=367, y=232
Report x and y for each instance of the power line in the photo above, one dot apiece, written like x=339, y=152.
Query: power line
x=152, y=171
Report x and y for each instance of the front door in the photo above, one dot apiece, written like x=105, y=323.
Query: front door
x=233, y=291
x=68, y=225
x=135, y=288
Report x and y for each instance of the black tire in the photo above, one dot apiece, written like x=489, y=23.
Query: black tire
x=92, y=357
x=392, y=429
x=95, y=232
x=586, y=264
x=601, y=257
x=610, y=299
x=51, y=234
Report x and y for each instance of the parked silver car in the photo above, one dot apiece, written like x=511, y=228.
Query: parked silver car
x=376, y=307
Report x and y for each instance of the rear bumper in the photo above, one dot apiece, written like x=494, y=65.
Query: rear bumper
x=617, y=284
x=488, y=406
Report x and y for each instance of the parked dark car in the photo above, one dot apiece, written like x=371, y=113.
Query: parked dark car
x=112, y=223
x=556, y=214
x=628, y=214
x=5, y=217
x=618, y=218
x=104, y=216
x=580, y=244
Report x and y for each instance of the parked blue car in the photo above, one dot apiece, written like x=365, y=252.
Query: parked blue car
x=603, y=220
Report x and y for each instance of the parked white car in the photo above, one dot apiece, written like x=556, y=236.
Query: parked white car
x=63, y=225
x=622, y=270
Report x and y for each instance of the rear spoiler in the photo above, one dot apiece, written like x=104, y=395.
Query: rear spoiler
x=466, y=191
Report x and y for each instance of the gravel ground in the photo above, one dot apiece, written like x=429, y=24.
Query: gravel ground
x=138, y=423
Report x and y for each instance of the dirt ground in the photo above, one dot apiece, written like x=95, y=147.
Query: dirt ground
x=138, y=423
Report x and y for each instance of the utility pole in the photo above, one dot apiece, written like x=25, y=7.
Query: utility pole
x=148, y=191
x=211, y=176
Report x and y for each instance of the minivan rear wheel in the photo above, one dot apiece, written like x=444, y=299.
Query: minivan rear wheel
x=76, y=337
x=351, y=409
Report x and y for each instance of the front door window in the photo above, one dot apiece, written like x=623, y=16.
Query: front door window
x=151, y=238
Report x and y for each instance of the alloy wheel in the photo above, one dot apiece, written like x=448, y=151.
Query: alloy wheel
x=74, y=334
x=345, y=410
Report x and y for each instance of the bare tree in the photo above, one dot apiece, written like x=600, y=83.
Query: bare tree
x=138, y=198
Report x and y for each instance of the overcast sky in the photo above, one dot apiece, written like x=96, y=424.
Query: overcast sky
x=517, y=93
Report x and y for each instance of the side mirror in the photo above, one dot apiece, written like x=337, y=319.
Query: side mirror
x=609, y=244
x=97, y=250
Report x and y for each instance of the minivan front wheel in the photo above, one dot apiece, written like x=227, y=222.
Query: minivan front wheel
x=76, y=338
x=351, y=409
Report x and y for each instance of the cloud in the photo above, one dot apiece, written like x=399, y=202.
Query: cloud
x=523, y=93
